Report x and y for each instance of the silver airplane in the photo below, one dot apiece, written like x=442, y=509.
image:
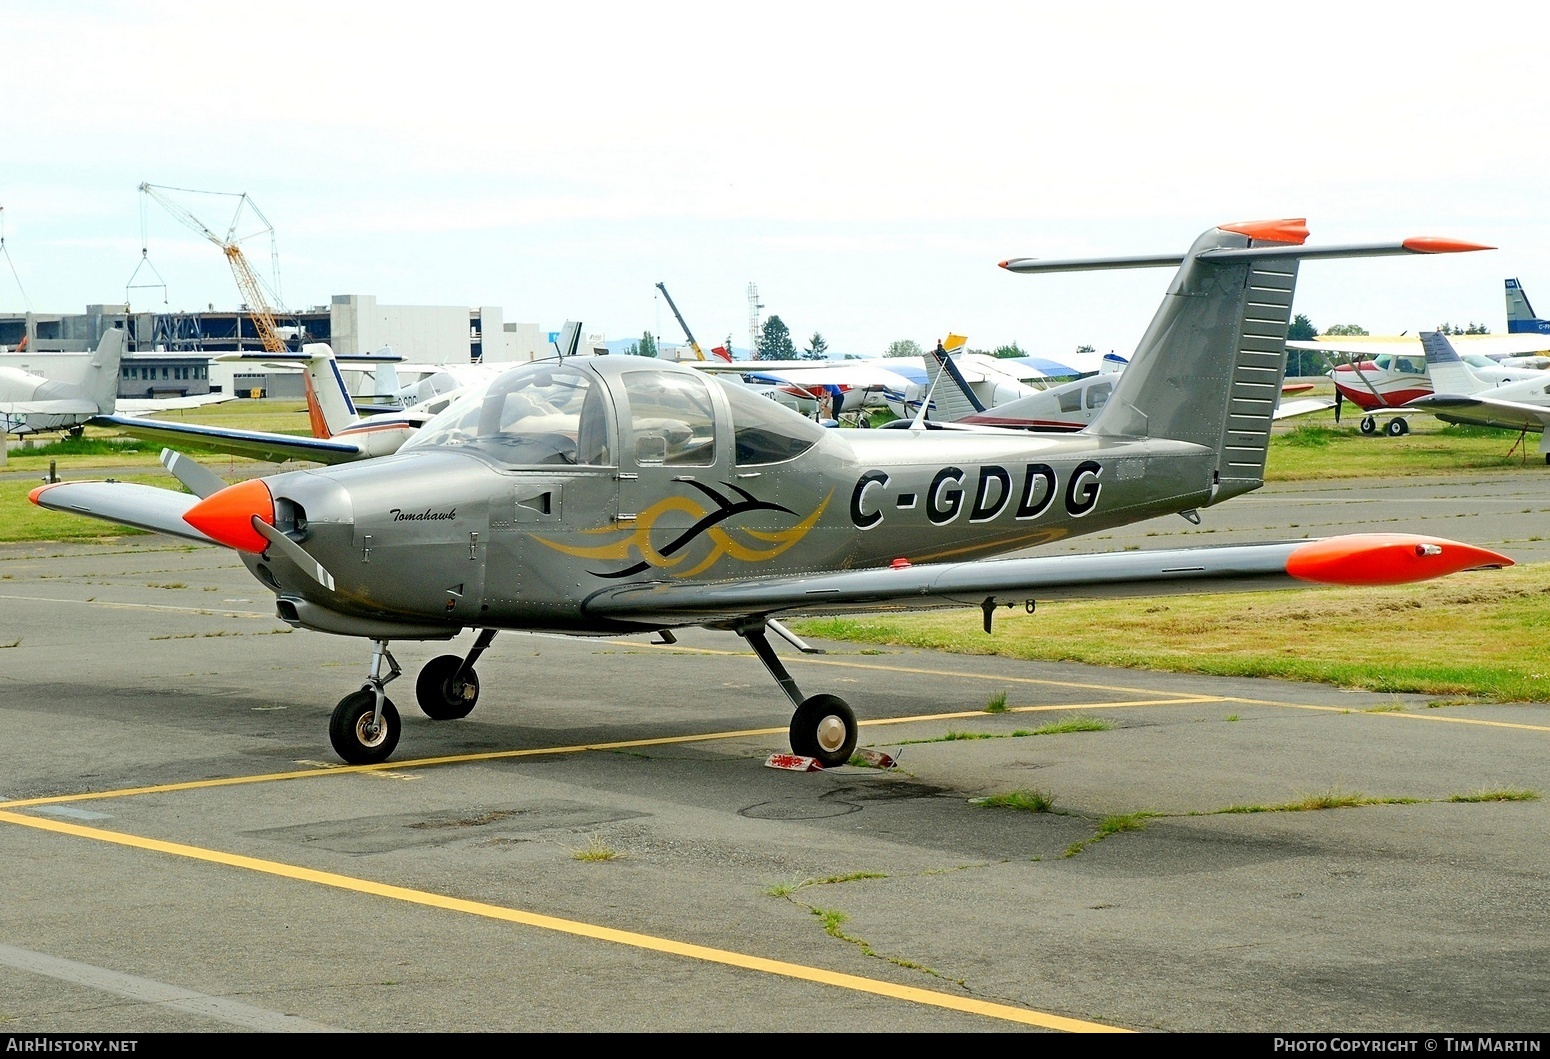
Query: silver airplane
x=601, y=495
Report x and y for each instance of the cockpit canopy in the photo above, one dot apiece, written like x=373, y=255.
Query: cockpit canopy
x=572, y=413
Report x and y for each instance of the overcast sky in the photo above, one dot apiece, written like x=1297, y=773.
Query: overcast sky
x=867, y=165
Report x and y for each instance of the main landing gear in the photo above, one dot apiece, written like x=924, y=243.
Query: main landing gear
x=1397, y=427
x=365, y=726
x=823, y=726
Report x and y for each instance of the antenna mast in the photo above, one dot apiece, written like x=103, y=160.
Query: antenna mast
x=754, y=305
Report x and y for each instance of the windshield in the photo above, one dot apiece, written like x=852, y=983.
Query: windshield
x=538, y=414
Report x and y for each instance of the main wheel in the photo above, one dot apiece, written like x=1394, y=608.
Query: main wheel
x=353, y=735
x=439, y=696
x=1369, y=425
x=1398, y=428
x=824, y=728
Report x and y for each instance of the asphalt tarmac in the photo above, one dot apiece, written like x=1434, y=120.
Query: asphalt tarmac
x=600, y=846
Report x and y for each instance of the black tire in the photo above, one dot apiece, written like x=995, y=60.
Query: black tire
x=1398, y=428
x=348, y=729
x=1369, y=425
x=436, y=694
x=824, y=728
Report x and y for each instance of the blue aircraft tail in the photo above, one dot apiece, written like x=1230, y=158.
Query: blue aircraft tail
x=1520, y=314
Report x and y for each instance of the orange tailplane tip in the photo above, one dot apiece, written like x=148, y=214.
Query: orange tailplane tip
x=1432, y=244
x=1386, y=559
x=1288, y=230
x=227, y=516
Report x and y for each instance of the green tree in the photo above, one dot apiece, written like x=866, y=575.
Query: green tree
x=648, y=345
x=817, y=348
x=775, y=341
x=1346, y=329
x=904, y=347
x=1301, y=329
x=1013, y=350
x=1086, y=348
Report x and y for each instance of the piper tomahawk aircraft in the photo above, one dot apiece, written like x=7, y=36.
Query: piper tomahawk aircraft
x=606, y=494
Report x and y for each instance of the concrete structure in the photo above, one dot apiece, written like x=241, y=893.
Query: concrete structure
x=170, y=354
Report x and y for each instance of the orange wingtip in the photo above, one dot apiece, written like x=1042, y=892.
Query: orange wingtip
x=1385, y=559
x=40, y=490
x=1431, y=244
x=1289, y=230
x=227, y=516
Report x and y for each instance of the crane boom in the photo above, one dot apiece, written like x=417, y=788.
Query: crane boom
x=247, y=280
x=698, y=355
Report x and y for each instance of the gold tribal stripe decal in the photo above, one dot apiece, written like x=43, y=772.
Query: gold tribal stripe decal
x=709, y=525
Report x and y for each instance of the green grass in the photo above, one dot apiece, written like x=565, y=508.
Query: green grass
x=1072, y=724
x=997, y=703
x=1511, y=794
x=1028, y=801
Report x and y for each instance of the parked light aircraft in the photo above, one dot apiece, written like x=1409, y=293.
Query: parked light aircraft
x=1068, y=406
x=340, y=433
x=1461, y=396
x=33, y=404
x=1383, y=375
x=610, y=494
x=30, y=403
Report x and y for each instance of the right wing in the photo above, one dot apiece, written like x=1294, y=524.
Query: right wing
x=1354, y=559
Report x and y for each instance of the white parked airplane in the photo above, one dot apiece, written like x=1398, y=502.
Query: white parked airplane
x=1460, y=396
x=340, y=433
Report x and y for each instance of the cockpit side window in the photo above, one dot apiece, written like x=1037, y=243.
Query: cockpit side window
x=672, y=420
x=766, y=432
x=537, y=415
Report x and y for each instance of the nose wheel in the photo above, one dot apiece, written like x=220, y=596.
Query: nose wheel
x=360, y=735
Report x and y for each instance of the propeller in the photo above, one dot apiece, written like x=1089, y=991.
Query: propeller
x=295, y=553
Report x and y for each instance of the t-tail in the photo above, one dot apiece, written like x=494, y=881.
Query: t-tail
x=1449, y=374
x=1520, y=314
x=1209, y=369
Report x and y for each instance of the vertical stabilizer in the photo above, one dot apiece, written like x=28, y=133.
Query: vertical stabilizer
x=1520, y=314
x=1209, y=369
x=100, y=382
x=328, y=399
x=1448, y=373
x=951, y=396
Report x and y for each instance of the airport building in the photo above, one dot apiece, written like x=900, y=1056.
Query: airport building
x=170, y=354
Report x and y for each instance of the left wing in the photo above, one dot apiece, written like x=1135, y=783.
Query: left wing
x=144, y=405
x=1354, y=559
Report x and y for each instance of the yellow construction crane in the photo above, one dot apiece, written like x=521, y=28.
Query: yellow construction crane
x=687, y=333
x=247, y=280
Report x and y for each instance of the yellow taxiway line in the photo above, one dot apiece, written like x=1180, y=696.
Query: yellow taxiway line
x=650, y=943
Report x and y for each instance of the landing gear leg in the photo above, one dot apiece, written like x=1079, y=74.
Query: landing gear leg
x=823, y=726
x=365, y=725
x=448, y=687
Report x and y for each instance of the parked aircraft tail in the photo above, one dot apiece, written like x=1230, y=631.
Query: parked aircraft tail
x=1449, y=373
x=1520, y=314
x=1209, y=369
x=99, y=383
